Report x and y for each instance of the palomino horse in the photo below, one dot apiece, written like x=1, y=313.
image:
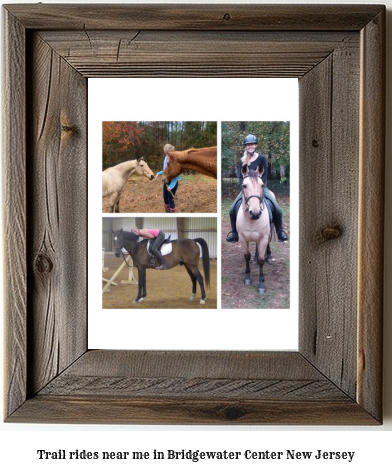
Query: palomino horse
x=202, y=160
x=115, y=178
x=184, y=252
x=253, y=223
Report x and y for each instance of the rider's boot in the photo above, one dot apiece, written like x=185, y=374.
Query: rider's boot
x=232, y=236
x=161, y=262
x=282, y=236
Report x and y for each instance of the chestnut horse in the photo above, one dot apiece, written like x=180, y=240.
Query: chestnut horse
x=184, y=252
x=202, y=160
x=115, y=178
x=253, y=223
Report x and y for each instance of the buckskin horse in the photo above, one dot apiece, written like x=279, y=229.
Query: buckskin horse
x=115, y=178
x=253, y=222
x=184, y=252
x=202, y=160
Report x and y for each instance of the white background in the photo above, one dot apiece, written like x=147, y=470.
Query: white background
x=18, y=443
x=190, y=99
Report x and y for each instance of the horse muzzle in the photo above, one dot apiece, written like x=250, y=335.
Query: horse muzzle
x=151, y=177
x=117, y=253
x=254, y=216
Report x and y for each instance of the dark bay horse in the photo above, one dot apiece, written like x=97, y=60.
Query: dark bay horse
x=184, y=252
x=253, y=223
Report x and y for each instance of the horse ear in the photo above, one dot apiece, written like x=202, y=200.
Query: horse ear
x=244, y=170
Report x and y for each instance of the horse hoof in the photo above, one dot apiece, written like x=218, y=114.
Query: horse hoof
x=247, y=282
x=138, y=301
x=202, y=302
x=261, y=291
x=192, y=297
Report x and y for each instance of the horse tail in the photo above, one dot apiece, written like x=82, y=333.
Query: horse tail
x=206, y=259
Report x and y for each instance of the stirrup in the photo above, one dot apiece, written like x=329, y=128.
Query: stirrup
x=232, y=237
x=282, y=236
x=162, y=267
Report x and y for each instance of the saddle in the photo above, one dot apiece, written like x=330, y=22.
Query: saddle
x=266, y=201
x=165, y=248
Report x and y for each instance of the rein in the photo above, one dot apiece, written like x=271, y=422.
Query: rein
x=119, y=251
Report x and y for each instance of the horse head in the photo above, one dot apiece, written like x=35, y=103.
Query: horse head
x=118, y=242
x=252, y=189
x=143, y=169
x=172, y=170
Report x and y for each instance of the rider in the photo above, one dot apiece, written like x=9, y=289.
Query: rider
x=253, y=159
x=159, y=237
x=169, y=190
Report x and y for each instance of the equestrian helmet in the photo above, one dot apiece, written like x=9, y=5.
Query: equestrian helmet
x=250, y=139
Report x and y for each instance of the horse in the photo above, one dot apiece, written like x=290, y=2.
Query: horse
x=184, y=252
x=253, y=222
x=115, y=178
x=202, y=160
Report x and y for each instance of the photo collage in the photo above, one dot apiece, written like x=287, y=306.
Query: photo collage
x=195, y=215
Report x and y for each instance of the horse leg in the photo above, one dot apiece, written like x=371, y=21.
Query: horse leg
x=247, y=280
x=196, y=274
x=268, y=258
x=113, y=202
x=117, y=205
x=194, y=281
x=141, y=290
x=261, y=287
x=263, y=247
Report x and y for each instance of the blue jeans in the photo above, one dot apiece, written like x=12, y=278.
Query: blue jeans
x=168, y=198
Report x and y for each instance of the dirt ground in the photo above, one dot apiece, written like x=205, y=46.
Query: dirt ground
x=165, y=289
x=277, y=275
x=195, y=193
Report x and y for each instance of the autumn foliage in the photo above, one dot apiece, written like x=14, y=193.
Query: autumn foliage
x=119, y=139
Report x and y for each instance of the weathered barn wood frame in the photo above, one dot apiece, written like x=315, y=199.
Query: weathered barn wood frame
x=337, y=53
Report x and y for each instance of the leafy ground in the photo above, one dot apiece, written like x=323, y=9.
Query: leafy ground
x=195, y=193
x=277, y=275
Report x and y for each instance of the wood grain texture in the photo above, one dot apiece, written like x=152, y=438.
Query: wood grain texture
x=14, y=220
x=193, y=53
x=335, y=378
x=153, y=411
x=329, y=172
x=57, y=214
x=371, y=215
x=192, y=17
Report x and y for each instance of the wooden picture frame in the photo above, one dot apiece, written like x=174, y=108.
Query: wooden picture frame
x=338, y=54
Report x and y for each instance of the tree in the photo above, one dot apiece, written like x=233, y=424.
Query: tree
x=273, y=140
x=118, y=141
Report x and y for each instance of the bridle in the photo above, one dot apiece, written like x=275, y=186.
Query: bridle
x=118, y=251
x=259, y=197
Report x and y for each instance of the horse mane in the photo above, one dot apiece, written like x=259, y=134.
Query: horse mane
x=253, y=175
x=130, y=235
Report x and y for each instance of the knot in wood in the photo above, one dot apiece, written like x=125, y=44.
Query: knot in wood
x=315, y=143
x=328, y=233
x=227, y=16
x=43, y=264
x=232, y=413
x=68, y=128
